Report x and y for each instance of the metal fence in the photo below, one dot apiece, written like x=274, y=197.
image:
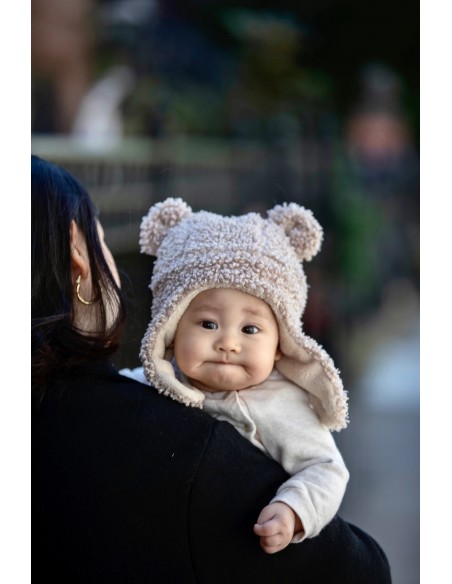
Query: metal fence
x=217, y=175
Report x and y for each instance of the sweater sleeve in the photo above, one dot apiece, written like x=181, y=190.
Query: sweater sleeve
x=292, y=434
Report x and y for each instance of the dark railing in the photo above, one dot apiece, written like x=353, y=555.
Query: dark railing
x=218, y=175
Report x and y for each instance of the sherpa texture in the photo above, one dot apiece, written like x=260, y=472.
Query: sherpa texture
x=262, y=257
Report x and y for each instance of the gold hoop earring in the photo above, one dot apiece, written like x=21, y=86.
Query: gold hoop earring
x=77, y=291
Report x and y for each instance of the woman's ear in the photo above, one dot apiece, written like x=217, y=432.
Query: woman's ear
x=278, y=354
x=79, y=253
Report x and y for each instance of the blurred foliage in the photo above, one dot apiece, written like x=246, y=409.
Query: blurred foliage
x=263, y=82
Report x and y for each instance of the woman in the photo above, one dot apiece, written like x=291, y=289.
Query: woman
x=127, y=485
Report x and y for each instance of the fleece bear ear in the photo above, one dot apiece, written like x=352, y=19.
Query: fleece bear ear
x=300, y=226
x=159, y=220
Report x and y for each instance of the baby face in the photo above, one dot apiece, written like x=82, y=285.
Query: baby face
x=226, y=340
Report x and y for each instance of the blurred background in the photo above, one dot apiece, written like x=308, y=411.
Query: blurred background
x=235, y=107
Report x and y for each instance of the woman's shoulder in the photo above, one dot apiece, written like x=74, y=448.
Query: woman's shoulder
x=104, y=399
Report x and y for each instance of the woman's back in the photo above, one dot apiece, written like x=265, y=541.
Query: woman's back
x=129, y=486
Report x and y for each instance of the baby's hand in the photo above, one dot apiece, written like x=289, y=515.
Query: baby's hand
x=276, y=526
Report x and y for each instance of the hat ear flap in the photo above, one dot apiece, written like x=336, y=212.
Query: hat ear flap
x=301, y=227
x=159, y=220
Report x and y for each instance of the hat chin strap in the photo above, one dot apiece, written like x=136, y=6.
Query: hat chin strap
x=307, y=365
x=160, y=353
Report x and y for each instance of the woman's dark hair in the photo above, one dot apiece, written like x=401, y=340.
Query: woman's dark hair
x=57, y=198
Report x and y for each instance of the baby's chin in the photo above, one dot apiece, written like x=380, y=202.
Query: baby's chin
x=224, y=384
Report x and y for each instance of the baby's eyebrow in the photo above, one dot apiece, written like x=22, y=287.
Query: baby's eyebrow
x=247, y=311
x=205, y=308
x=255, y=312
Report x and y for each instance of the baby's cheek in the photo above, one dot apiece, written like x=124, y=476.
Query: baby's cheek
x=187, y=355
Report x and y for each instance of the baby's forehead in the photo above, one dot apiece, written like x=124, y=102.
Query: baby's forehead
x=229, y=298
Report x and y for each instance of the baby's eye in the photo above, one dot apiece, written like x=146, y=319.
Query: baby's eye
x=209, y=324
x=250, y=329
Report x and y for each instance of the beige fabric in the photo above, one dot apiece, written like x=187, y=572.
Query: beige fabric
x=259, y=256
x=276, y=417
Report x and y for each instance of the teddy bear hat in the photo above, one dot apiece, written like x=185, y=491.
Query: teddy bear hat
x=256, y=255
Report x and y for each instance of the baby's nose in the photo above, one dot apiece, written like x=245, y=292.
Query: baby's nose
x=228, y=343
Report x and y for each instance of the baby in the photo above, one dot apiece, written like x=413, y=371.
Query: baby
x=225, y=336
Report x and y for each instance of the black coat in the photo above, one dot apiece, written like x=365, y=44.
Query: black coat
x=131, y=487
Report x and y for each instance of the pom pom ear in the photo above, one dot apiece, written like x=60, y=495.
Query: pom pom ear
x=159, y=220
x=300, y=226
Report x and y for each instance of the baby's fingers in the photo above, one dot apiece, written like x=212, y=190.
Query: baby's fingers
x=274, y=543
x=267, y=529
x=266, y=514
